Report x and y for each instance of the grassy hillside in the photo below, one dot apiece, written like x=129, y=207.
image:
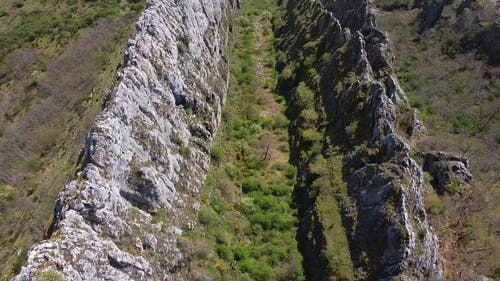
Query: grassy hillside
x=456, y=89
x=57, y=60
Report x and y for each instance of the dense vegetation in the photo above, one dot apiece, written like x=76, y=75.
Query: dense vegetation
x=247, y=225
x=57, y=60
x=455, y=87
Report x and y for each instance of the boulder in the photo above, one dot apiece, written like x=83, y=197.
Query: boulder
x=446, y=168
x=431, y=12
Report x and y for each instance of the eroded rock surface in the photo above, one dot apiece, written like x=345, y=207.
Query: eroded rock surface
x=146, y=158
x=431, y=12
x=446, y=168
x=364, y=114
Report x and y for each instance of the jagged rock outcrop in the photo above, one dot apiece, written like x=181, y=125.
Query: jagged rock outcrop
x=446, y=168
x=146, y=158
x=463, y=5
x=362, y=113
x=431, y=12
x=489, y=42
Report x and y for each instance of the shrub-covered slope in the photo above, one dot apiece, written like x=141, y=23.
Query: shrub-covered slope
x=57, y=60
x=145, y=159
x=454, y=82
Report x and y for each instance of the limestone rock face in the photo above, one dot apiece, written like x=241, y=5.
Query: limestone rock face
x=146, y=158
x=446, y=168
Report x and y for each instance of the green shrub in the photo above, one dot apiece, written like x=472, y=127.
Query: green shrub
x=207, y=216
x=222, y=237
x=216, y=154
x=8, y=194
x=271, y=220
x=18, y=3
x=433, y=204
x=255, y=129
x=279, y=190
x=251, y=163
x=257, y=229
x=304, y=96
x=260, y=271
x=351, y=129
x=449, y=49
x=251, y=184
x=266, y=124
x=311, y=135
x=232, y=171
x=175, y=139
x=252, y=112
x=218, y=204
x=3, y=12
x=185, y=151
x=394, y=4
x=160, y=216
x=291, y=172
x=242, y=252
x=309, y=116
x=225, y=252
x=265, y=202
x=462, y=124
x=236, y=129
x=52, y=275
x=454, y=186
x=280, y=121
x=181, y=47
x=35, y=163
x=288, y=72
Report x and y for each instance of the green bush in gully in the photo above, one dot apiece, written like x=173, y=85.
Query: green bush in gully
x=246, y=215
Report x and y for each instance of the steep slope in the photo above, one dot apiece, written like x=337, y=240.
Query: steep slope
x=352, y=131
x=145, y=160
x=454, y=82
x=50, y=95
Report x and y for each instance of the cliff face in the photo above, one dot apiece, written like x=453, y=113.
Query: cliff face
x=146, y=158
x=359, y=190
x=353, y=144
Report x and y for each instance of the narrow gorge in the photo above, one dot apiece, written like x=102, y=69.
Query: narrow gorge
x=252, y=140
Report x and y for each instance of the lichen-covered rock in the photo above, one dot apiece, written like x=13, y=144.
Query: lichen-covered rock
x=146, y=158
x=446, y=168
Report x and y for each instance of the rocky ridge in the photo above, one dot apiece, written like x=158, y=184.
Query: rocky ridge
x=146, y=157
x=361, y=111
